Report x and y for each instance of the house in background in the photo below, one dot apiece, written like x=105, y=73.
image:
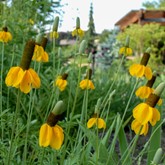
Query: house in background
x=141, y=17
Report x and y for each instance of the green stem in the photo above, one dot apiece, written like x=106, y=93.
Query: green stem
x=29, y=115
x=54, y=62
x=130, y=98
x=1, y=87
x=14, y=126
x=11, y=64
x=114, y=80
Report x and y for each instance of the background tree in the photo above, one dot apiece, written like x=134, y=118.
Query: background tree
x=90, y=34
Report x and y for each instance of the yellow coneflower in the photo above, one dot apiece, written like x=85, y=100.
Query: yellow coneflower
x=5, y=36
x=145, y=113
x=61, y=82
x=39, y=52
x=140, y=70
x=87, y=83
x=50, y=133
x=78, y=31
x=95, y=120
x=22, y=76
x=54, y=33
x=126, y=50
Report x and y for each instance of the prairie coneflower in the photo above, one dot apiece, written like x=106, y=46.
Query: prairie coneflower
x=39, y=51
x=87, y=83
x=144, y=91
x=61, y=82
x=95, y=120
x=50, y=133
x=126, y=50
x=22, y=76
x=140, y=70
x=78, y=31
x=5, y=36
x=146, y=113
x=54, y=33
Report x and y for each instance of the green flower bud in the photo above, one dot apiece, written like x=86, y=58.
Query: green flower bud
x=59, y=108
x=82, y=48
x=39, y=38
x=77, y=23
x=158, y=91
x=97, y=107
x=157, y=156
x=127, y=41
x=148, y=50
x=59, y=52
x=55, y=25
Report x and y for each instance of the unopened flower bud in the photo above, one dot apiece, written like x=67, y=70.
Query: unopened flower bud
x=82, y=47
x=39, y=38
x=158, y=156
x=158, y=91
x=55, y=25
x=59, y=108
x=127, y=41
x=59, y=52
x=97, y=107
x=77, y=23
x=148, y=50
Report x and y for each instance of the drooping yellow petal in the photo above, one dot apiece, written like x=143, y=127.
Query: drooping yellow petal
x=156, y=116
x=100, y=123
x=140, y=70
x=160, y=101
x=148, y=73
x=129, y=51
x=143, y=113
x=38, y=53
x=86, y=84
x=57, y=137
x=137, y=70
x=35, y=80
x=54, y=34
x=91, y=122
x=143, y=92
x=136, y=126
x=25, y=85
x=61, y=84
x=14, y=76
x=5, y=36
x=45, y=135
x=45, y=57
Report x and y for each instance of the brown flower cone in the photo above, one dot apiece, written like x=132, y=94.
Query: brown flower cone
x=145, y=59
x=44, y=42
x=64, y=76
x=151, y=82
x=53, y=119
x=152, y=100
x=27, y=55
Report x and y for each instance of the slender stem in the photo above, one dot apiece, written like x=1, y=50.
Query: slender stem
x=29, y=115
x=54, y=62
x=77, y=88
x=1, y=87
x=114, y=80
x=14, y=126
x=130, y=98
